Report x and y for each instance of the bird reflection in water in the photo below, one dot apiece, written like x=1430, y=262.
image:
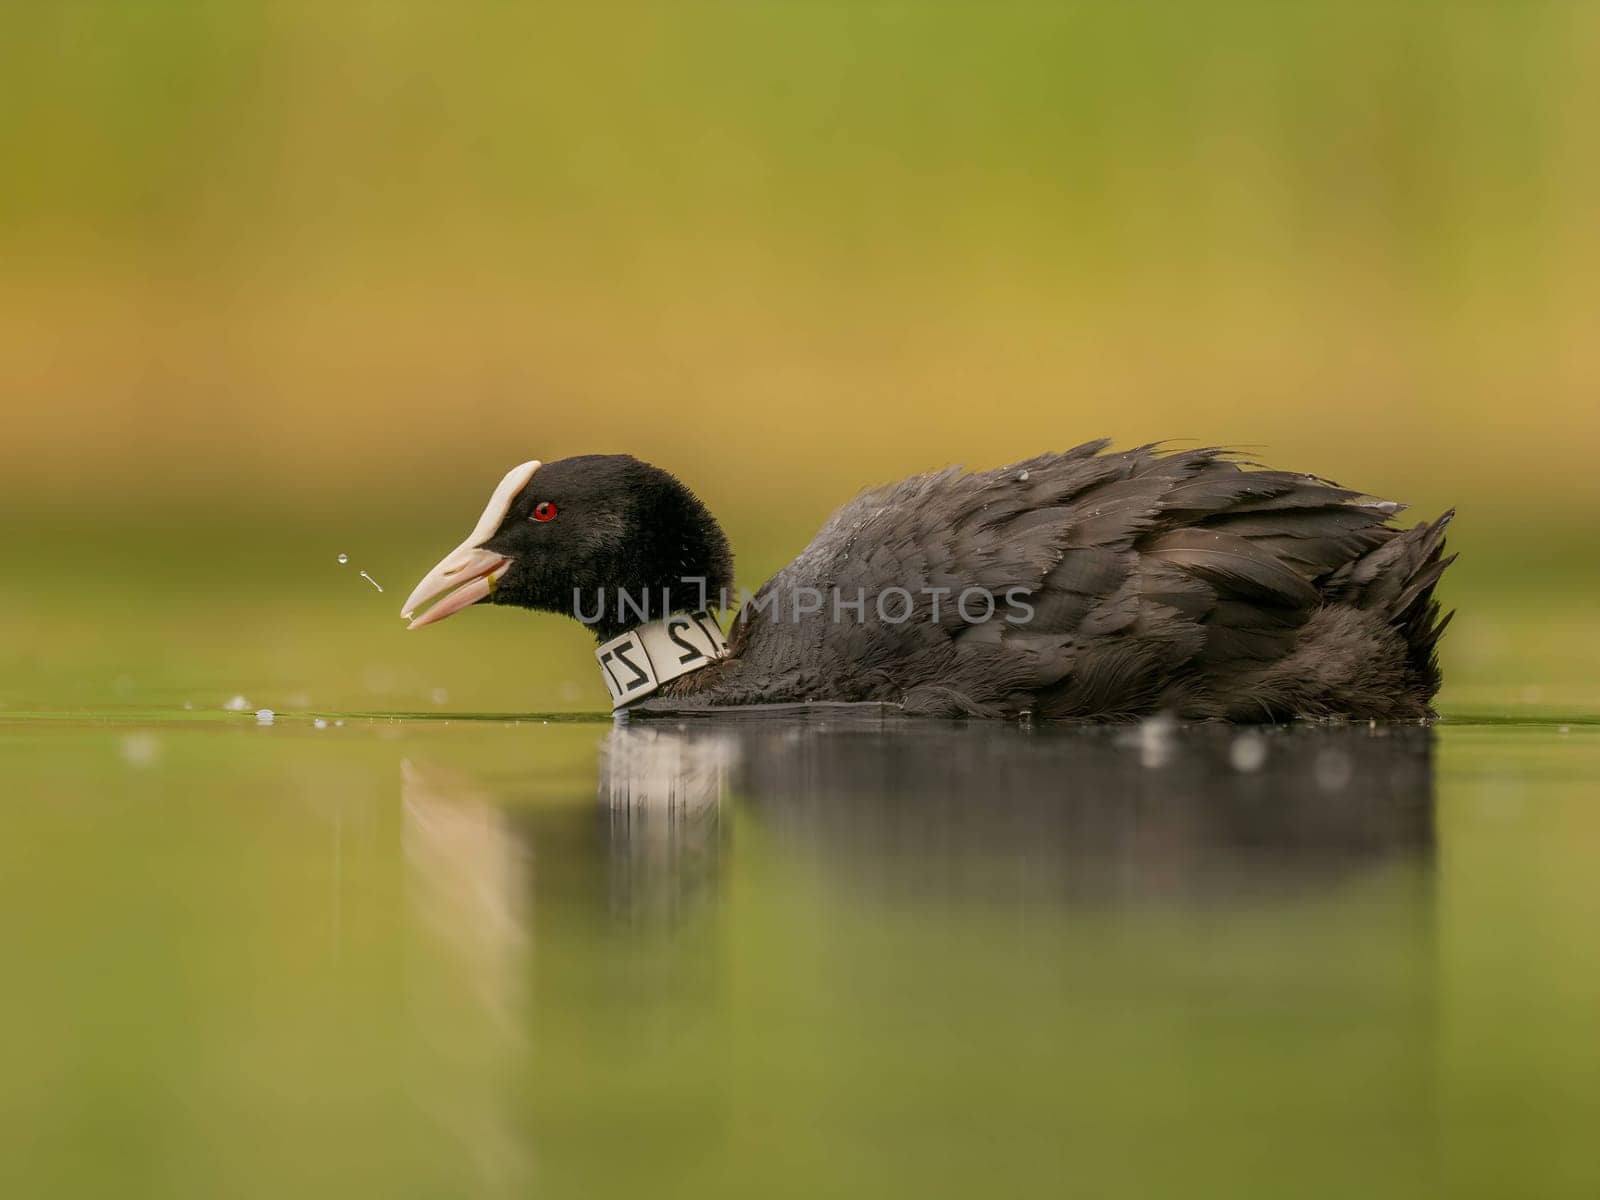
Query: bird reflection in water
x=661, y=796
x=939, y=808
x=732, y=883
x=467, y=891
x=884, y=803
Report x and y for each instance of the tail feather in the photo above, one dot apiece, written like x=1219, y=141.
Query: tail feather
x=1398, y=579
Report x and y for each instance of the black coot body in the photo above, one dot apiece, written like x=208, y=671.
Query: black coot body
x=1181, y=582
x=1185, y=582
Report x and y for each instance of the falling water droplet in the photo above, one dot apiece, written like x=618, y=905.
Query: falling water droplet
x=343, y=558
x=372, y=581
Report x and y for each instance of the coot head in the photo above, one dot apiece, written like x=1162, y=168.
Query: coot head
x=567, y=536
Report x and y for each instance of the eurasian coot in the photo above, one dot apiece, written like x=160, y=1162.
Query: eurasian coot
x=1087, y=585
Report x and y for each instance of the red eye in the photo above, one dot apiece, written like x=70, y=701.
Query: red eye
x=544, y=511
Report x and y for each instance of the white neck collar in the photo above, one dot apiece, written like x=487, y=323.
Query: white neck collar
x=644, y=658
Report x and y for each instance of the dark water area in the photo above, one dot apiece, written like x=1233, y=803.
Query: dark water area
x=830, y=953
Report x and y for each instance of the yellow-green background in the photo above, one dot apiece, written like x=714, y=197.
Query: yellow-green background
x=283, y=280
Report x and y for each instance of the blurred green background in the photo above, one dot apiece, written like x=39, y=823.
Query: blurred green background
x=281, y=281
x=284, y=280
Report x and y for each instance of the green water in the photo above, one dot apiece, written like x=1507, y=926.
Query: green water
x=429, y=957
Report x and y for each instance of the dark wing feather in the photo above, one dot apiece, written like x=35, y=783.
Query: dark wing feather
x=1180, y=578
x=1235, y=566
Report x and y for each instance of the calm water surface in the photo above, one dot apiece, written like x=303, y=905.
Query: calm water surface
x=815, y=957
